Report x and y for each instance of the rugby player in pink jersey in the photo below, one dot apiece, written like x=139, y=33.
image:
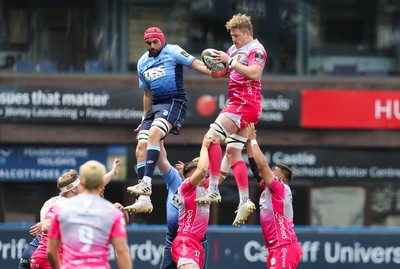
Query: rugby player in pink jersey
x=187, y=251
x=64, y=183
x=85, y=225
x=276, y=209
x=246, y=59
x=69, y=185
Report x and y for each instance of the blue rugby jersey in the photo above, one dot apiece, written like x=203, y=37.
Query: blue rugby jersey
x=163, y=74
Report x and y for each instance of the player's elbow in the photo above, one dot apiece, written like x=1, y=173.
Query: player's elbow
x=254, y=76
x=255, y=73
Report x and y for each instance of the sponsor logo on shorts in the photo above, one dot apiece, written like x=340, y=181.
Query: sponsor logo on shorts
x=284, y=252
x=184, y=247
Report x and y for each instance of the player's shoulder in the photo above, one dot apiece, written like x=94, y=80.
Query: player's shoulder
x=142, y=59
x=256, y=45
x=178, y=50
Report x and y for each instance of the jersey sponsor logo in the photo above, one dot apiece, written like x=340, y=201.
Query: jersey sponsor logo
x=188, y=222
x=282, y=228
x=259, y=56
x=185, y=54
x=154, y=73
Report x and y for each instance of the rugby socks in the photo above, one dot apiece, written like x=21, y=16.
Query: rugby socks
x=152, y=154
x=140, y=169
x=215, y=159
x=144, y=198
x=224, y=168
x=239, y=169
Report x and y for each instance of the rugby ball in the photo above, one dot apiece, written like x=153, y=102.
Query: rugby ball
x=210, y=62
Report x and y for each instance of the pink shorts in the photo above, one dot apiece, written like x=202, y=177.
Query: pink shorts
x=187, y=249
x=284, y=257
x=40, y=263
x=243, y=114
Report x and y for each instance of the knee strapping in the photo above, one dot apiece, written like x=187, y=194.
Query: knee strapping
x=162, y=125
x=143, y=135
x=236, y=141
x=219, y=129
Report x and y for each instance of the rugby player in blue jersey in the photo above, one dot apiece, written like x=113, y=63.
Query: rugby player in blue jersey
x=160, y=72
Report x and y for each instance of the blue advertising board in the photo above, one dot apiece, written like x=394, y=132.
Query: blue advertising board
x=47, y=163
x=328, y=248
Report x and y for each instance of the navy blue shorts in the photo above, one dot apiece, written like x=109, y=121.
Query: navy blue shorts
x=167, y=261
x=25, y=261
x=173, y=111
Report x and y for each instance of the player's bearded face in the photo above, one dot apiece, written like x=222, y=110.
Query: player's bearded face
x=153, y=46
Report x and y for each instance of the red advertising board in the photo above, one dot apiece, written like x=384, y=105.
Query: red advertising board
x=324, y=108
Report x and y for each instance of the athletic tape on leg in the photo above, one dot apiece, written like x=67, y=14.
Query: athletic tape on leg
x=143, y=135
x=236, y=141
x=219, y=129
x=162, y=125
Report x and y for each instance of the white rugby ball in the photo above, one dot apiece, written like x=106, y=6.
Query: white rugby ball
x=210, y=62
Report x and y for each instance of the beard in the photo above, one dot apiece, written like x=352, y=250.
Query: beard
x=154, y=52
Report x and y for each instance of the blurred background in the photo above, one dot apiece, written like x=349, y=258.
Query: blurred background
x=331, y=100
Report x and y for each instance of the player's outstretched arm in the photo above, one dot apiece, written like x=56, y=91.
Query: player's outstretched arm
x=252, y=163
x=200, y=66
x=113, y=172
x=262, y=164
x=202, y=166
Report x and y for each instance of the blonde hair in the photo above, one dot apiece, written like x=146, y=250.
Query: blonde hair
x=66, y=179
x=91, y=174
x=241, y=22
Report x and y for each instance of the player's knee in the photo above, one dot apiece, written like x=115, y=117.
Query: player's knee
x=141, y=148
x=236, y=142
x=161, y=125
x=219, y=130
x=143, y=136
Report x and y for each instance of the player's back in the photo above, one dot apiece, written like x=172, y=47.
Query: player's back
x=87, y=223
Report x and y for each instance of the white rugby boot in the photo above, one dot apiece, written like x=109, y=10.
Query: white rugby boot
x=243, y=212
x=210, y=197
x=139, y=207
x=142, y=188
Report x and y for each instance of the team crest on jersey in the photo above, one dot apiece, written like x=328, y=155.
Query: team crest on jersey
x=197, y=253
x=185, y=54
x=273, y=261
x=165, y=112
x=259, y=56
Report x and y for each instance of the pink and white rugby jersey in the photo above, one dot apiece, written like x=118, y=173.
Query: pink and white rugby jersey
x=41, y=251
x=86, y=224
x=276, y=215
x=193, y=218
x=242, y=89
